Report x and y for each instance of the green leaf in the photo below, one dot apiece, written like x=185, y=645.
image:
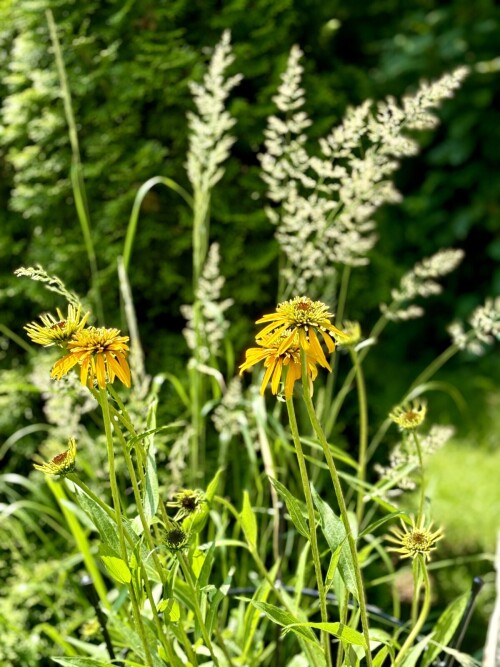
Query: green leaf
x=115, y=566
x=376, y=524
x=413, y=655
x=212, y=487
x=285, y=618
x=171, y=610
x=248, y=521
x=378, y=660
x=340, y=630
x=332, y=567
x=251, y=620
x=334, y=531
x=102, y=521
x=445, y=629
x=152, y=496
x=293, y=507
x=216, y=599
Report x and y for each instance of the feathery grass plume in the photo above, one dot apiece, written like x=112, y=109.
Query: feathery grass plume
x=421, y=282
x=327, y=203
x=214, y=326
x=404, y=457
x=62, y=464
x=209, y=142
x=52, y=283
x=484, y=328
x=417, y=540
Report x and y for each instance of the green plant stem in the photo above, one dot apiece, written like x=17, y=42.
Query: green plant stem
x=103, y=402
x=312, y=524
x=419, y=563
x=76, y=167
x=262, y=569
x=138, y=502
x=188, y=575
x=341, y=502
x=421, y=504
x=363, y=433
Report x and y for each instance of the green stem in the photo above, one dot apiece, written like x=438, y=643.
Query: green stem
x=422, y=480
x=139, y=504
x=312, y=524
x=188, y=575
x=103, y=401
x=419, y=564
x=363, y=433
x=341, y=502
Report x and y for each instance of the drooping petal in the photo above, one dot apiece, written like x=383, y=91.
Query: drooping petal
x=63, y=366
x=267, y=377
x=100, y=370
x=317, y=350
x=276, y=376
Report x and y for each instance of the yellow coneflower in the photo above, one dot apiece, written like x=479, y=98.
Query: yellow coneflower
x=409, y=416
x=62, y=464
x=57, y=330
x=303, y=317
x=101, y=354
x=275, y=361
x=415, y=540
x=188, y=502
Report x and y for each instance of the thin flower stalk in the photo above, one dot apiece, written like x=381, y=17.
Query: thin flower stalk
x=139, y=503
x=419, y=566
x=190, y=580
x=363, y=433
x=108, y=429
x=342, y=507
x=311, y=522
x=421, y=506
x=163, y=638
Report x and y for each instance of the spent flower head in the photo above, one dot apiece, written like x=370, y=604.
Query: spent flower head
x=101, y=354
x=276, y=360
x=409, y=416
x=62, y=464
x=417, y=540
x=57, y=330
x=187, y=502
x=302, y=317
x=175, y=537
